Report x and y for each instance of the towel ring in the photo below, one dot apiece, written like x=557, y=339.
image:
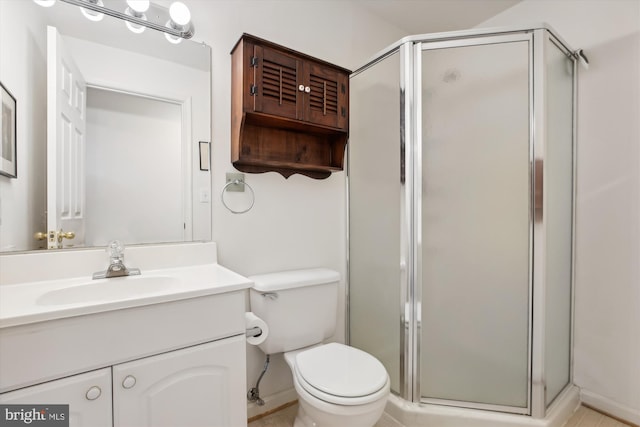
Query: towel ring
x=236, y=182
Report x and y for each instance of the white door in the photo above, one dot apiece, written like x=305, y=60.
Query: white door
x=201, y=386
x=88, y=396
x=66, y=125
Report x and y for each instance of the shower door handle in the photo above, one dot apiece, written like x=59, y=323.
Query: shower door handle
x=407, y=316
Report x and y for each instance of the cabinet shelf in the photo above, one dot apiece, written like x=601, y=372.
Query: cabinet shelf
x=289, y=111
x=270, y=121
x=288, y=148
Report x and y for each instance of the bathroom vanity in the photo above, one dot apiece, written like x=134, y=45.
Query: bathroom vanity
x=165, y=350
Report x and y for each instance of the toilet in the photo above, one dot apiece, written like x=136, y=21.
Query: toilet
x=337, y=385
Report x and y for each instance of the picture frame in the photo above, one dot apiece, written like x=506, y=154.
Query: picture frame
x=8, y=139
x=205, y=156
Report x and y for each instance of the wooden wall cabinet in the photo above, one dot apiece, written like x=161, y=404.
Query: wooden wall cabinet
x=289, y=111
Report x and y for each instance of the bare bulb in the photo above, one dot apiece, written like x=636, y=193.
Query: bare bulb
x=45, y=3
x=139, y=6
x=179, y=13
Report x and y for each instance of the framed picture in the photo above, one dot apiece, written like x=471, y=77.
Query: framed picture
x=8, y=164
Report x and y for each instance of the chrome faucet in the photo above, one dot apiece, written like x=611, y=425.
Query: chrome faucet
x=116, y=263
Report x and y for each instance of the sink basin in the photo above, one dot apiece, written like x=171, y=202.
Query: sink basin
x=118, y=288
x=38, y=301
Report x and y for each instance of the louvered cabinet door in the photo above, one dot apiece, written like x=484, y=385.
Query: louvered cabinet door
x=276, y=83
x=326, y=100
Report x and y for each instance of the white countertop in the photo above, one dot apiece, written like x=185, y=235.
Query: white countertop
x=22, y=303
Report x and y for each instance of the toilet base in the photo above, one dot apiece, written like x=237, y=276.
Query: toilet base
x=336, y=416
x=314, y=412
x=302, y=419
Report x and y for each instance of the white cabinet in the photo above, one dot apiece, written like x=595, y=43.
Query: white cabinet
x=198, y=386
x=88, y=396
x=182, y=361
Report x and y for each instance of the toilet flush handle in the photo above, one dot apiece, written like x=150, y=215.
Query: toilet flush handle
x=270, y=295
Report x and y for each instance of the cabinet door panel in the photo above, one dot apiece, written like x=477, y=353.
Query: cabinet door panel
x=200, y=386
x=88, y=396
x=277, y=79
x=327, y=97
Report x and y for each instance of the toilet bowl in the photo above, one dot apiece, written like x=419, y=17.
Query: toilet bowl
x=338, y=386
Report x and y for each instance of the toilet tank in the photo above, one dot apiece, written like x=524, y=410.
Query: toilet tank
x=299, y=307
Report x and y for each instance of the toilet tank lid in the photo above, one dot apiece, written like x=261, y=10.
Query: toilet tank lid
x=278, y=281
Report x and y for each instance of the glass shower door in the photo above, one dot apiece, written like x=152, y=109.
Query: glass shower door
x=475, y=240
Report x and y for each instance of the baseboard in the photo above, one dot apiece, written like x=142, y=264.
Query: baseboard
x=609, y=407
x=271, y=403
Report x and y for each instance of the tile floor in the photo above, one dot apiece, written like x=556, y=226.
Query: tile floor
x=584, y=417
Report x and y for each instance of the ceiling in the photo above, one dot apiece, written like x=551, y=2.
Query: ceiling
x=432, y=16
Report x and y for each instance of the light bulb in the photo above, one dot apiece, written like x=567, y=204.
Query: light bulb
x=179, y=13
x=139, y=6
x=136, y=9
x=135, y=28
x=92, y=15
x=45, y=3
x=170, y=38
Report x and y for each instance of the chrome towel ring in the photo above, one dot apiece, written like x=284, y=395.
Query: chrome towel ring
x=238, y=182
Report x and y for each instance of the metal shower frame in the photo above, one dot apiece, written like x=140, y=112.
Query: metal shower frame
x=410, y=49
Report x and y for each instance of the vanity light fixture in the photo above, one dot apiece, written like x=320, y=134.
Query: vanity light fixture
x=140, y=14
x=136, y=8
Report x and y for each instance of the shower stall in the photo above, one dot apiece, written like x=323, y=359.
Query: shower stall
x=461, y=210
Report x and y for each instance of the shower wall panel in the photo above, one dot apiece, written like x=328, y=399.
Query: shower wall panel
x=558, y=217
x=374, y=214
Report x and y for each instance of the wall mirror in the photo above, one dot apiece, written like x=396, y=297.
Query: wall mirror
x=130, y=170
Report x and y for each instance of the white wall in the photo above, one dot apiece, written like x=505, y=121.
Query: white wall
x=22, y=200
x=297, y=222
x=607, y=294
x=133, y=139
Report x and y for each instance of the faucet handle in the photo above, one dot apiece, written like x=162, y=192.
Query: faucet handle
x=115, y=249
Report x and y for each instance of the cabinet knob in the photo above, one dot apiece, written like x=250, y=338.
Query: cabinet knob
x=307, y=89
x=93, y=393
x=129, y=381
x=301, y=88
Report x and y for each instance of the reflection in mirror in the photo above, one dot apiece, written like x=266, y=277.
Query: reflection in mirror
x=114, y=120
x=147, y=109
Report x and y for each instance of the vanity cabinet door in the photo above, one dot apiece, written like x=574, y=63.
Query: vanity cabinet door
x=88, y=396
x=200, y=386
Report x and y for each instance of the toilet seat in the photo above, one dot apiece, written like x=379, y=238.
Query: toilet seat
x=340, y=374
